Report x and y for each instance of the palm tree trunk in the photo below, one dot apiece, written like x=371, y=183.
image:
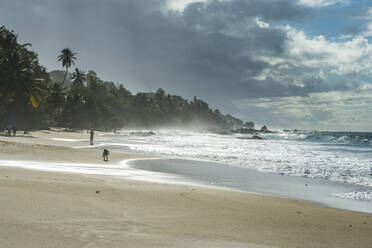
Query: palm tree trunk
x=64, y=77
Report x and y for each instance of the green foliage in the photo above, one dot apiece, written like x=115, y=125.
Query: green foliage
x=22, y=80
x=89, y=102
x=107, y=106
x=78, y=78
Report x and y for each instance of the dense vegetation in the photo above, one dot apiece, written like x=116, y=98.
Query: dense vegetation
x=33, y=98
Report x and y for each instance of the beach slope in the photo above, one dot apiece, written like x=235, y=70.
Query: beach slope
x=48, y=209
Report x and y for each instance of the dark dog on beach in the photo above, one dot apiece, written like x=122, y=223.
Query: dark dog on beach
x=105, y=154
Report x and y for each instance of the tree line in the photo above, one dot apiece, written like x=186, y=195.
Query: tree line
x=33, y=98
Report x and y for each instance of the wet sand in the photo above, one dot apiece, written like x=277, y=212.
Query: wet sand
x=211, y=174
x=48, y=209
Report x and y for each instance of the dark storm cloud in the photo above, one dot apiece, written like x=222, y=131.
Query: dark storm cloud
x=209, y=50
x=238, y=10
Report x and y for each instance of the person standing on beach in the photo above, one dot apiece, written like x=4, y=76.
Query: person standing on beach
x=14, y=129
x=9, y=127
x=91, y=136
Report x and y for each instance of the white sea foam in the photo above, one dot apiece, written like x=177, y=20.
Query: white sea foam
x=357, y=195
x=68, y=140
x=122, y=170
x=286, y=153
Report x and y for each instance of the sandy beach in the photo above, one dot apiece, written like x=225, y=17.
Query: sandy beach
x=49, y=209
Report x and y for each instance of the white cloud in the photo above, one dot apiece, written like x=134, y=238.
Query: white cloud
x=368, y=18
x=323, y=111
x=180, y=4
x=352, y=56
x=261, y=23
x=321, y=3
x=368, y=14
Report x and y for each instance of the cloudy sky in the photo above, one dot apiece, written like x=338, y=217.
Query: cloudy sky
x=303, y=64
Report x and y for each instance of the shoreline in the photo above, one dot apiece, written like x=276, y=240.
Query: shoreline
x=131, y=170
x=43, y=209
x=228, y=177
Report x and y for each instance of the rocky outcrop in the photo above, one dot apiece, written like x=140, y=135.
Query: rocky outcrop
x=254, y=137
x=244, y=130
x=264, y=129
x=142, y=134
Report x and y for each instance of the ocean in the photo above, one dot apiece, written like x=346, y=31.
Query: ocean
x=328, y=168
x=343, y=157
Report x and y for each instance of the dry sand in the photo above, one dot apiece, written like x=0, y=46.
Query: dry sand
x=45, y=209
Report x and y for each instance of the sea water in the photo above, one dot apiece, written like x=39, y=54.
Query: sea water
x=329, y=168
x=332, y=156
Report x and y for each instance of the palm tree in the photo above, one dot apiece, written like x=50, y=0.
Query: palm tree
x=23, y=81
x=21, y=76
x=68, y=58
x=78, y=77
